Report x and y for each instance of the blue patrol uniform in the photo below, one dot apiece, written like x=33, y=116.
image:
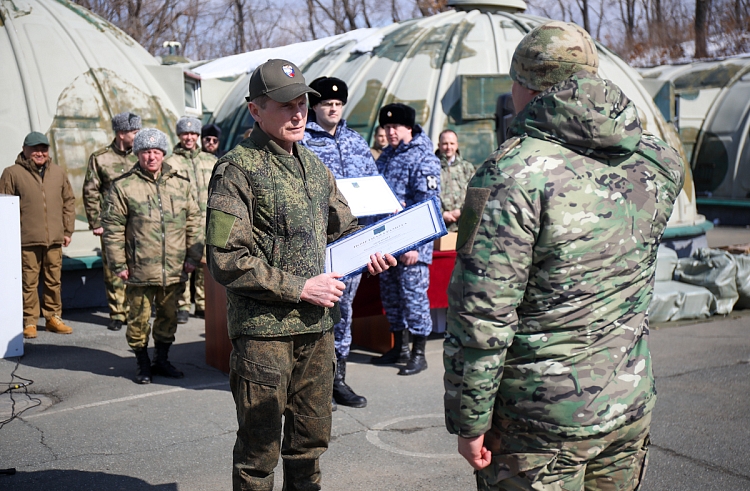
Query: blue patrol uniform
x=346, y=154
x=413, y=172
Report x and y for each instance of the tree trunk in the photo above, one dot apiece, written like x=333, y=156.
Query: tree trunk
x=701, y=28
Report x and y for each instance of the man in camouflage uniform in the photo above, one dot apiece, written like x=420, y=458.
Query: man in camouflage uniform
x=188, y=160
x=548, y=380
x=410, y=167
x=380, y=141
x=455, y=174
x=346, y=154
x=105, y=165
x=153, y=238
x=272, y=208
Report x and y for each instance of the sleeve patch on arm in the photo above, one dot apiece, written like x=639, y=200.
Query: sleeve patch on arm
x=223, y=212
x=471, y=216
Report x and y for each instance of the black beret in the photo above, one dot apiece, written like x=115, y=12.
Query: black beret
x=211, y=130
x=398, y=113
x=329, y=88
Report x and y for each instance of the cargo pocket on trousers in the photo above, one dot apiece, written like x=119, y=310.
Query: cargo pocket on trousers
x=311, y=435
x=257, y=387
x=530, y=466
x=642, y=457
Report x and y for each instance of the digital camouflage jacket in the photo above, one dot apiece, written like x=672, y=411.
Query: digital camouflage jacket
x=413, y=172
x=105, y=165
x=196, y=166
x=152, y=227
x=345, y=153
x=547, y=322
x=454, y=179
x=270, y=216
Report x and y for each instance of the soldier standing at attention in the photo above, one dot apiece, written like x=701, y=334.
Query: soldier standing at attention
x=381, y=141
x=346, y=154
x=272, y=208
x=188, y=160
x=548, y=380
x=455, y=174
x=153, y=238
x=409, y=165
x=105, y=165
x=47, y=223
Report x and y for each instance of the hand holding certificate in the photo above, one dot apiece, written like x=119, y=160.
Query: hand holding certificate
x=394, y=235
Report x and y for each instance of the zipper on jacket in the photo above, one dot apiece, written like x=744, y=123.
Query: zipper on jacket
x=163, y=237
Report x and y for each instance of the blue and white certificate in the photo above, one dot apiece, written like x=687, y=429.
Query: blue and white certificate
x=399, y=233
x=369, y=196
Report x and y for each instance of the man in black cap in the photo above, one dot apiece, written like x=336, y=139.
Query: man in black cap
x=272, y=208
x=346, y=154
x=210, y=139
x=413, y=172
x=47, y=222
x=106, y=165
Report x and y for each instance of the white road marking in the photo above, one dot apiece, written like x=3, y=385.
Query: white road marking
x=374, y=438
x=124, y=399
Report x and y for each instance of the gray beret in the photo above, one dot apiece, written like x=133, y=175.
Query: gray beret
x=149, y=138
x=186, y=124
x=126, y=122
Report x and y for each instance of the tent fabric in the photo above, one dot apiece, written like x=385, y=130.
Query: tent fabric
x=673, y=301
x=714, y=269
x=666, y=262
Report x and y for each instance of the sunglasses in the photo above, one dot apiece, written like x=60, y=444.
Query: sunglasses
x=210, y=139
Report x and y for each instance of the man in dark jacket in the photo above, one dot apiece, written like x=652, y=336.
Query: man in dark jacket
x=548, y=380
x=272, y=208
x=47, y=223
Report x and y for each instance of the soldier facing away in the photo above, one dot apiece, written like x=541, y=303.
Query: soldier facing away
x=548, y=380
x=272, y=208
x=455, y=174
x=153, y=238
x=106, y=165
x=410, y=167
x=47, y=222
x=346, y=154
x=188, y=160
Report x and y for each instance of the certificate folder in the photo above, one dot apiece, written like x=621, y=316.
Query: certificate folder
x=399, y=233
x=369, y=196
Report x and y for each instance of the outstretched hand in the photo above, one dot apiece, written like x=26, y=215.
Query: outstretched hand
x=474, y=451
x=323, y=290
x=379, y=263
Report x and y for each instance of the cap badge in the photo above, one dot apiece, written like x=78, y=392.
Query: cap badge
x=152, y=139
x=335, y=88
x=189, y=124
x=389, y=114
x=288, y=70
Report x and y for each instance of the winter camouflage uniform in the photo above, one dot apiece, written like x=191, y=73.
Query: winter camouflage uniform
x=413, y=172
x=196, y=166
x=106, y=165
x=270, y=216
x=547, y=345
x=346, y=154
x=454, y=179
x=151, y=228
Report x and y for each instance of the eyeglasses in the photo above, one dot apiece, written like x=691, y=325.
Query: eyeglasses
x=210, y=139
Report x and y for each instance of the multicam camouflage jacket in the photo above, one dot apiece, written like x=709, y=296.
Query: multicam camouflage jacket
x=270, y=216
x=547, y=322
x=196, y=166
x=152, y=227
x=345, y=153
x=105, y=165
x=413, y=172
x=454, y=179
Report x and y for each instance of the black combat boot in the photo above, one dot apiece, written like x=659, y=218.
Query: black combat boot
x=342, y=393
x=334, y=406
x=161, y=364
x=417, y=362
x=143, y=372
x=398, y=354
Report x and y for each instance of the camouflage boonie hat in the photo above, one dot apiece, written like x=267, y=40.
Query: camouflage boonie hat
x=149, y=138
x=186, y=124
x=551, y=53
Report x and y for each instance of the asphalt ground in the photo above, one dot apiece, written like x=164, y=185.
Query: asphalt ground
x=97, y=430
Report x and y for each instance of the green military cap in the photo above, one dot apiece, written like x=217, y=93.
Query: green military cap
x=551, y=53
x=35, y=138
x=280, y=80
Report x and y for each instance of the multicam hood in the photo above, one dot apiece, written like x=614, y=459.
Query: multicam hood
x=607, y=130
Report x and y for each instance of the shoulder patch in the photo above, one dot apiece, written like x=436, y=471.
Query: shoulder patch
x=223, y=213
x=471, y=216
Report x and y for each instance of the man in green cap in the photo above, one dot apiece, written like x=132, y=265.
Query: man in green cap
x=272, y=208
x=47, y=223
x=548, y=380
